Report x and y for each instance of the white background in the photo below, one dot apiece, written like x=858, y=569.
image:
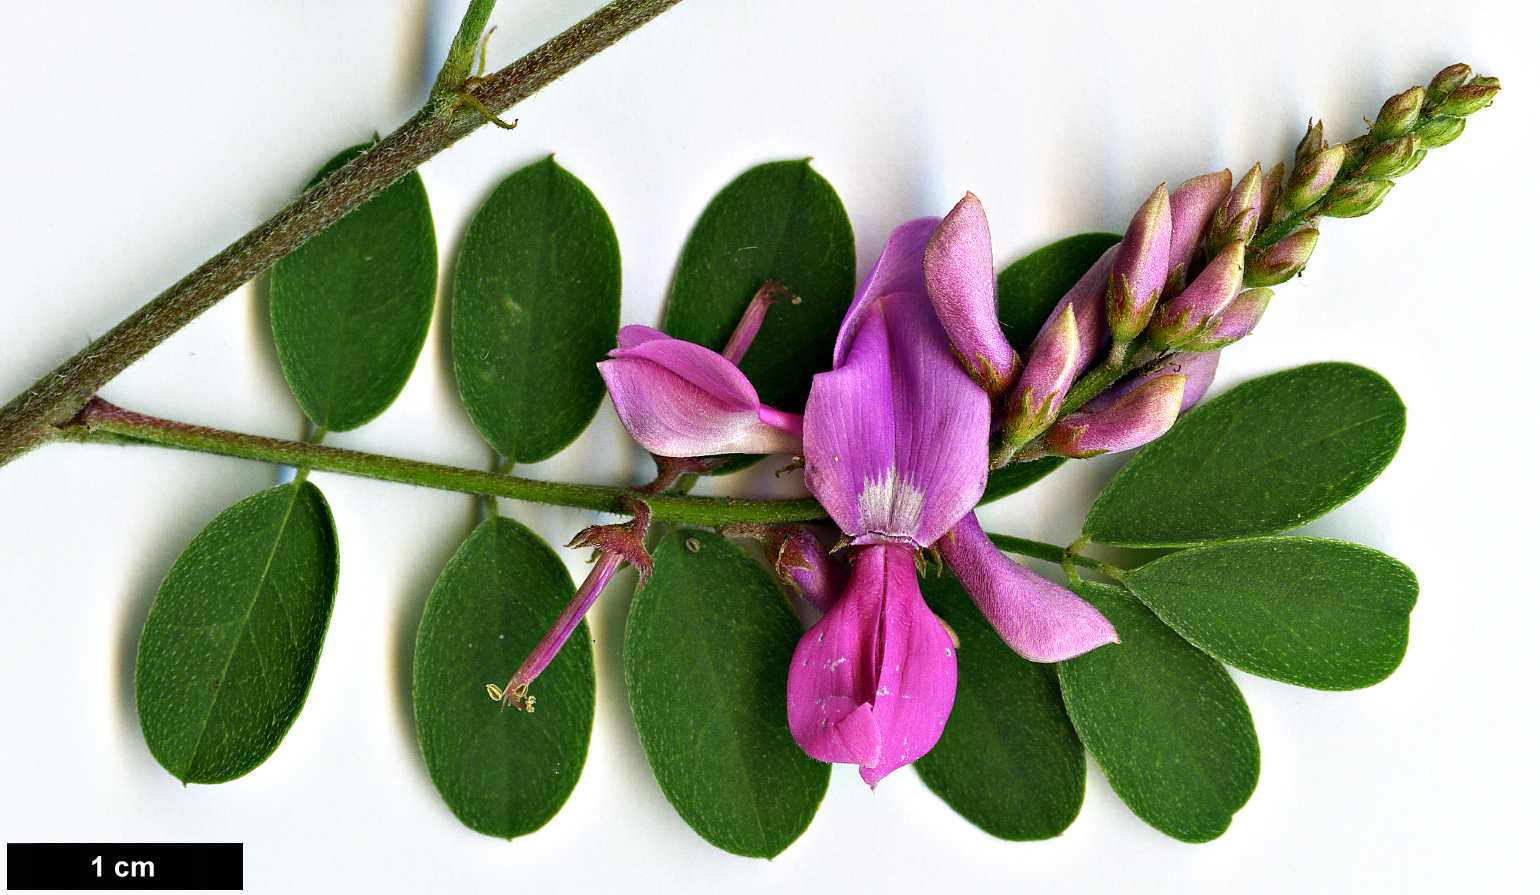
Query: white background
x=141, y=138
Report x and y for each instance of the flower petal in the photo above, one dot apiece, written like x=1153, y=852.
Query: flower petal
x=678, y=399
x=1040, y=620
x=896, y=439
x=898, y=270
x=873, y=682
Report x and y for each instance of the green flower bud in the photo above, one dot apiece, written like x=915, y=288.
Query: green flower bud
x=1389, y=159
x=1399, y=114
x=1446, y=81
x=1412, y=164
x=1312, y=177
x=1282, y=260
x=1471, y=98
x=1356, y=198
x=1238, y=217
x=1440, y=131
x=1312, y=144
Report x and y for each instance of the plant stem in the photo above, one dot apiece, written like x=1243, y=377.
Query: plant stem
x=1049, y=552
x=102, y=422
x=34, y=416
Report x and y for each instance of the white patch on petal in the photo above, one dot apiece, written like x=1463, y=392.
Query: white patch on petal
x=891, y=506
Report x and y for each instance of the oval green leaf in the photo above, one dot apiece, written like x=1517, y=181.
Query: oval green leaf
x=350, y=308
x=778, y=221
x=1268, y=456
x=231, y=642
x=1306, y=611
x=536, y=303
x=1009, y=760
x=1164, y=721
x=708, y=644
x=502, y=773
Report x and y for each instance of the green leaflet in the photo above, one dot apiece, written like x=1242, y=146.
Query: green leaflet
x=777, y=221
x=1028, y=292
x=1008, y=480
x=1267, y=456
x=1009, y=760
x=708, y=644
x=536, y=305
x=502, y=773
x=231, y=642
x=350, y=308
x=1307, y=611
x=1165, y=722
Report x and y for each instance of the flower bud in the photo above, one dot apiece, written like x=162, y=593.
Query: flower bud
x=1139, y=417
x=1447, y=80
x=1140, y=267
x=1312, y=177
x=1088, y=298
x=1281, y=260
x=1049, y=372
x=959, y=275
x=1389, y=159
x=802, y=561
x=1471, y=98
x=1413, y=162
x=1236, y=322
x=1238, y=217
x=1272, y=192
x=1185, y=317
x=1356, y=198
x=1193, y=205
x=1440, y=131
x=1399, y=114
x=1312, y=144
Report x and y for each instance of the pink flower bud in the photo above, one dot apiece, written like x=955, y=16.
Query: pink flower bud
x=1185, y=317
x=959, y=275
x=1139, y=417
x=1046, y=379
x=1193, y=205
x=1240, y=214
x=1140, y=267
x=1237, y=321
x=679, y=399
x=1313, y=176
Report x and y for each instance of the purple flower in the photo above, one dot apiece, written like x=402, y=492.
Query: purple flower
x=678, y=399
x=896, y=444
x=896, y=436
x=872, y=682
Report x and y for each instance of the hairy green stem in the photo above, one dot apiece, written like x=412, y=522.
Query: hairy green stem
x=33, y=417
x=102, y=422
